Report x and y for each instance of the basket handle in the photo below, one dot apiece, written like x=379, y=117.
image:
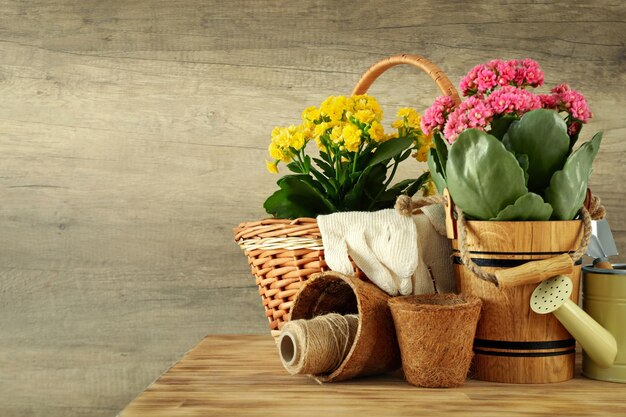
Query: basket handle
x=442, y=81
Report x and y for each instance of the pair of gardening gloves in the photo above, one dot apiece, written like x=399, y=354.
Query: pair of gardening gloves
x=401, y=254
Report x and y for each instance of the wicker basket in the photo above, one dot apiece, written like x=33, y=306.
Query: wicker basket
x=285, y=253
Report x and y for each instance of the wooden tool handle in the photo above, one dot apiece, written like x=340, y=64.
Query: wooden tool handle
x=443, y=82
x=535, y=271
x=602, y=263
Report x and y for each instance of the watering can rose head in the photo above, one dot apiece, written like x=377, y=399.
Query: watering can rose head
x=511, y=155
x=357, y=159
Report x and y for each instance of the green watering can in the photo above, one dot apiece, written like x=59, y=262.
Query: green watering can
x=600, y=328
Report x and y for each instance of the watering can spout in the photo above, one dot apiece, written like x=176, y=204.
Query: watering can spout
x=597, y=342
x=552, y=296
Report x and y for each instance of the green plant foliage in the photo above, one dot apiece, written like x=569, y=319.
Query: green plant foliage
x=542, y=136
x=436, y=170
x=530, y=206
x=500, y=126
x=442, y=152
x=568, y=187
x=482, y=176
x=323, y=185
x=298, y=196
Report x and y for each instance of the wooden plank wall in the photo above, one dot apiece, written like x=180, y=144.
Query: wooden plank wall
x=133, y=136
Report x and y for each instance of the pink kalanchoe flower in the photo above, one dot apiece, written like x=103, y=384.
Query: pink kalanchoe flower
x=510, y=99
x=560, y=89
x=468, y=85
x=435, y=116
x=529, y=73
x=571, y=101
x=474, y=112
x=574, y=128
x=548, y=101
x=506, y=70
x=575, y=104
x=486, y=79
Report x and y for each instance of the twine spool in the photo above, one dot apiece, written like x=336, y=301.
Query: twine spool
x=319, y=345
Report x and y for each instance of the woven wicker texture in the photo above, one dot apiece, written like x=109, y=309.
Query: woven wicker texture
x=282, y=253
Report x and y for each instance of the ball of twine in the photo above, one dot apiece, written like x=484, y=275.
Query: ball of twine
x=317, y=346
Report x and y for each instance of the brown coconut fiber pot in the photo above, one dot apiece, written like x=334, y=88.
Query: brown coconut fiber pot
x=436, y=335
x=375, y=348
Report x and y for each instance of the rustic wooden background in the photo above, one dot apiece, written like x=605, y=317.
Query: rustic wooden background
x=133, y=136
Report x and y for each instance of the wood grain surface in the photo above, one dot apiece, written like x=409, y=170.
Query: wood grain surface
x=242, y=375
x=133, y=136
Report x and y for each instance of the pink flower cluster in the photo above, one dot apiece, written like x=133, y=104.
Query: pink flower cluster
x=472, y=113
x=484, y=78
x=496, y=89
x=512, y=99
x=563, y=98
x=572, y=102
x=435, y=116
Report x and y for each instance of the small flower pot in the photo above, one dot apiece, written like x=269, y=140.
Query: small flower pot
x=436, y=335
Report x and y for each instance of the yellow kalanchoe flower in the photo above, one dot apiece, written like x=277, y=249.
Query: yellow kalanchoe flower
x=422, y=154
x=397, y=124
x=365, y=116
x=351, y=137
x=277, y=153
x=366, y=102
x=411, y=117
x=311, y=114
x=377, y=132
x=335, y=134
x=272, y=166
x=429, y=189
x=334, y=107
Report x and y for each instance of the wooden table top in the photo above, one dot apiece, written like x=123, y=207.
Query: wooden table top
x=243, y=376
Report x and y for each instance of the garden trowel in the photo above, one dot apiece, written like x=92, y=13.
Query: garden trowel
x=602, y=244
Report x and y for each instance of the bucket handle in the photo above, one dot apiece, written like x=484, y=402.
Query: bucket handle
x=529, y=273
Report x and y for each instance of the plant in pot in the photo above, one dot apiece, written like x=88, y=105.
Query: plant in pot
x=357, y=160
x=352, y=168
x=513, y=171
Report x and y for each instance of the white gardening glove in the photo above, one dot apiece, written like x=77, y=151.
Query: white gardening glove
x=435, y=271
x=383, y=244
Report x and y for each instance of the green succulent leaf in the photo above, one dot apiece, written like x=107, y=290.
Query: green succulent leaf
x=500, y=126
x=329, y=187
x=541, y=135
x=295, y=167
x=367, y=186
x=390, y=149
x=442, y=152
x=435, y=168
x=528, y=207
x=325, y=167
x=402, y=185
x=298, y=196
x=482, y=176
x=568, y=187
x=419, y=183
x=523, y=162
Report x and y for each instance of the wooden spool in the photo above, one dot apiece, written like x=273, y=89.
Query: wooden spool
x=513, y=344
x=375, y=349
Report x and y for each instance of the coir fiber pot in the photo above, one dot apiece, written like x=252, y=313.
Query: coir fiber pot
x=436, y=334
x=375, y=348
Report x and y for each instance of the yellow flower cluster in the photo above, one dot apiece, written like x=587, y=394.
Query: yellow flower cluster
x=285, y=142
x=409, y=121
x=344, y=124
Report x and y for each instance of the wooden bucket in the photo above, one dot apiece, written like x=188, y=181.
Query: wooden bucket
x=512, y=343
